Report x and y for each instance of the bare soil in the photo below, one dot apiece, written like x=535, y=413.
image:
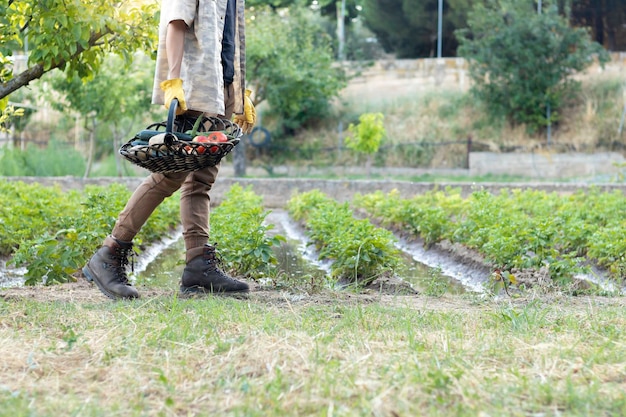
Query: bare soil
x=84, y=292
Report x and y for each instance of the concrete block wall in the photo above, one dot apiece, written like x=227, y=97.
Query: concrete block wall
x=546, y=165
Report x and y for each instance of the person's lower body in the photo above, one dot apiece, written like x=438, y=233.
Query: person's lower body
x=202, y=273
x=107, y=267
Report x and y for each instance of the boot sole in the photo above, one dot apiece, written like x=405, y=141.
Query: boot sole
x=193, y=291
x=91, y=277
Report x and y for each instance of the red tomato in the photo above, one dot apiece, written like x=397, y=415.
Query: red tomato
x=218, y=137
x=201, y=149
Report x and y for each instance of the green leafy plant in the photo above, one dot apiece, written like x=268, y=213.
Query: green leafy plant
x=435, y=286
x=28, y=211
x=301, y=205
x=241, y=232
x=292, y=67
x=367, y=136
x=7, y=112
x=516, y=229
x=61, y=230
x=53, y=233
x=71, y=36
x=428, y=215
x=55, y=160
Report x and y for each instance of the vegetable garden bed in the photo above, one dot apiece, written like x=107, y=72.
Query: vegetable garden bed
x=520, y=238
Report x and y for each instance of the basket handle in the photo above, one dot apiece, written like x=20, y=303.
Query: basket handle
x=169, y=127
x=171, y=116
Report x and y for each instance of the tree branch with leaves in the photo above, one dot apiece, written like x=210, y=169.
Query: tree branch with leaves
x=70, y=36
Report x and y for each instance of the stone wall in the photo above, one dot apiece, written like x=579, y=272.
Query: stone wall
x=276, y=192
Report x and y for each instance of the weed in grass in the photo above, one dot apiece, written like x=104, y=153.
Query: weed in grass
x=440, y=381
x=526, y=319
x=69, y=337
x=436, y=286
x=296, y=280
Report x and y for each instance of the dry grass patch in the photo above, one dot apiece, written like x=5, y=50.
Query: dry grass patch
x=279, y=354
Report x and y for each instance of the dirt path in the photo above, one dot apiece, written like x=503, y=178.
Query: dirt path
x=83, y=292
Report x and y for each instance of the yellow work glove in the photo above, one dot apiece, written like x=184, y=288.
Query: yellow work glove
x=246, y=120
x=174, y=89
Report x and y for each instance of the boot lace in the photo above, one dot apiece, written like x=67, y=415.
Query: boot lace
x=122, y=256
x=213, y=258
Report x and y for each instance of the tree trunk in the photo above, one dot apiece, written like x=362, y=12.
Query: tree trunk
x=341, y=37
x=92, y=148
x=118, y=165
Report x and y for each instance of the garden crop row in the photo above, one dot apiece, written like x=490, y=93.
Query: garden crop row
x=516, y=228
x=53, y=233
x=358, y=250
x=243, y=237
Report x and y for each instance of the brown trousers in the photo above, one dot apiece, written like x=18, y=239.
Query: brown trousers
x=194, y=200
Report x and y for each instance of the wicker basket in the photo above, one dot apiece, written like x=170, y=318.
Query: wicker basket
x=177, y=152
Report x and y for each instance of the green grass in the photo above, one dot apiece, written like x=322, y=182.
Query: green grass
x=268, y=356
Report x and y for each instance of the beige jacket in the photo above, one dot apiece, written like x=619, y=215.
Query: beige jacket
x=201, y=69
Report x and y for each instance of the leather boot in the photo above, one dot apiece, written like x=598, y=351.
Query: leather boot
x=203, y=275
x=107, y=268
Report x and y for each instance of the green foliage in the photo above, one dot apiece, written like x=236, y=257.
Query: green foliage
x=300, y=205
x=291, y=67
x=120, y=90
x=359, y=43
x=367, y=136
x=359, y=251
x=428, y=215
x=111, y=102
x=6, y=113
x=29, y=210
x=76, y=37
x=409, y=29
x=54, y=233
x=111, y=165
x=435, y=285
x=239, y=227
x=55, y=160
x=521, y=62
x=72, y=36
x=434, y=119
x=516, y=229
